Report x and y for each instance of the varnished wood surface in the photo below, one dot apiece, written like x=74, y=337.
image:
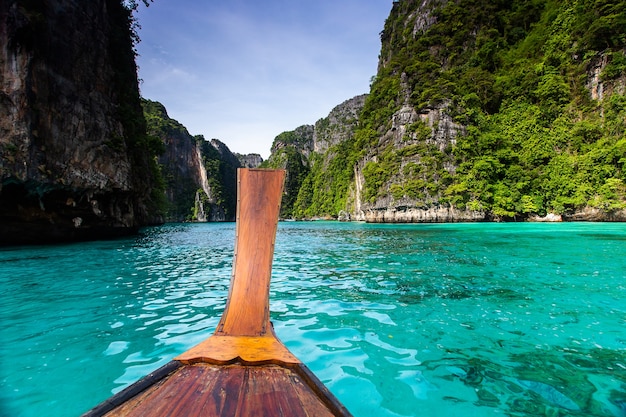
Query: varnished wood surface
x=244, y=349
x=244, y=332
x=231, y=390
x=242, y=369
x=259, y=194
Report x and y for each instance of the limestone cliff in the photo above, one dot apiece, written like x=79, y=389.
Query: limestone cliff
x=480, y=110
x=306, y=147
x=75, y=160
x=200, y=176
x=433, y=153
x=251, y=160
x=221, y=166
x=339, y=125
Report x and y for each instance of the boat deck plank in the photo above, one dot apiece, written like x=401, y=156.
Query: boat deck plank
x=232, y=390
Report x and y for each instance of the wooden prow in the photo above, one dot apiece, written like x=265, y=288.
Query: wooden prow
x=258, y=203
x=242, y=369
x=244, y=332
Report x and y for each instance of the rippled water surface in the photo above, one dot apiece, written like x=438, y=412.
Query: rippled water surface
x=397, y=320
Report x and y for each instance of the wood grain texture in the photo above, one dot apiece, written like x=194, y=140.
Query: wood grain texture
x=244, y=332
x=231, y=390
x=245, y=349
x=242, y=369
x=259, y=194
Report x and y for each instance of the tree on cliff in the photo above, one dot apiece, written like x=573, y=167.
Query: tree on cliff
x=509, y=108
x=76, y=161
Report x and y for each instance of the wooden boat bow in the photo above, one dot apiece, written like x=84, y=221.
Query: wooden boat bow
x=242, y=369
x=244, y=332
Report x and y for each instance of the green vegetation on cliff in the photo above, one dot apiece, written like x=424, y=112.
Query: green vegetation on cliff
x=287, y=156
x=184, y=177
x=221, y=175
x=143, y=148
x=537, y=142
x=179, y=187
x=537, y=87
x=324, y=191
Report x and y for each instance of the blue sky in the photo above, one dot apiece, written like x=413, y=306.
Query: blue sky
x=243, y=71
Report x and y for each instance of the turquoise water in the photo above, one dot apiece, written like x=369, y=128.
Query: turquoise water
x=397, y=320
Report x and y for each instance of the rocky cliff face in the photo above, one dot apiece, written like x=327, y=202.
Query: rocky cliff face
x=75, y=160
x=221, y=166
x=338, y=126
x=475, y=114
x=307, y=147
x=424, y=140
x=251, y=160
x=301, y=139
x=411, y=168
x=181, y=162
x=200, y=176
x=413, y=146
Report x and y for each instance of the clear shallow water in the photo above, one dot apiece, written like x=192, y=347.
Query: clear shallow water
x=397, y=320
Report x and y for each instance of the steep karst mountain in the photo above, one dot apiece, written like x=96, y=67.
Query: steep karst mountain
x=200, y=176
x=480, y=110
x=75, y=160
x=78, y=160
x=309, y=153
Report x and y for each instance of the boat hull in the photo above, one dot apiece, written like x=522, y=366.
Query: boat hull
x=209, y=390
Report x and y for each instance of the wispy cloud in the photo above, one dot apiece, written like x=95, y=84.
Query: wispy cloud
x=243, y=71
